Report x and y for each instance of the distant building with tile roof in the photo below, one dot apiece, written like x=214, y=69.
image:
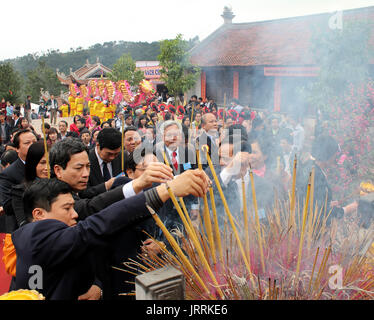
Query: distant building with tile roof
x=84, y=74
x=262, y=64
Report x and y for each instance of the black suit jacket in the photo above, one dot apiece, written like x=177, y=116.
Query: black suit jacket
x=67, y=269
x=96, y=183
x=7, y=129
x=231, y=193
x=186, y=158
x=127, y=245
x=28, y=104
x=204, y=139
x=14, y=123
x=49, y=103
x=96, y=177
x=11, y=176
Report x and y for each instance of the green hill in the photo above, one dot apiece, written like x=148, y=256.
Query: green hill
x=107, y=52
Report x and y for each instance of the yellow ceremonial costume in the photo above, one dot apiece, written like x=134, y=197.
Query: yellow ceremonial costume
x=109, y=112
x=73, y=107
x=91, y=107
x=100, y=110
x=65, y=110
x=79, y=103
x=96, y=107
x=22, y=295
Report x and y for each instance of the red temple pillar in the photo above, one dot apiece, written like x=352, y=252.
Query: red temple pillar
x=203, y=85
x=235, y=82
x=277, y=93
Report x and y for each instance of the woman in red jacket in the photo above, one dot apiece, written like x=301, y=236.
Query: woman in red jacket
x=73, y=126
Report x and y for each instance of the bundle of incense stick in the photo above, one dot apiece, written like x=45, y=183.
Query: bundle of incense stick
x=286, y=255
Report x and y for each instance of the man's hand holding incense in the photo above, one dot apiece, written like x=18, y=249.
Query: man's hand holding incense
x=239, y=165
x=156, y=172
x=194, y=182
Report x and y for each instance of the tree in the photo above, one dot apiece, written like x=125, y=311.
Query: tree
x=125, y=69
x=177, y=71
x=343, y=56
x=344, y=94
x=10, y=83
x=42, y=77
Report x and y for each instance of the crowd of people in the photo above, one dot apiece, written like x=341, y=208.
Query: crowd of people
x=79, y=210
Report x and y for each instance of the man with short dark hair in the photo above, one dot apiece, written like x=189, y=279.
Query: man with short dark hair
x=131, y=139
x=85, y=136
x=128, y=120
x=105, y=157
x=4, y=129
x=70, y=163
x=47, y=127
x=209, y=126
x=81, y=124
x=234, y=153
x=68, y=271
x=14, y=175
x=15, y=121
x=42, y=109
x=63, y=128
x=52, y=105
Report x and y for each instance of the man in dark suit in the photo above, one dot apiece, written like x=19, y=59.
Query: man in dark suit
x=233, y=164
x=69, y=162
x=179, y=157
x=14, y=175
x=208, y=136
x=52, y=106
x=15, y=121
x=105, y=161
x=130, y=242
x=28, y=108
x=4, y=129
x=67, y=269
x=105, y=158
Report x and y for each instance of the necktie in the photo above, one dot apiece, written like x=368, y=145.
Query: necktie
x=106, y=173
x=174, y=160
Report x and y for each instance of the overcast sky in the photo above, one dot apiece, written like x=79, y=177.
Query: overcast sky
x=38, y=25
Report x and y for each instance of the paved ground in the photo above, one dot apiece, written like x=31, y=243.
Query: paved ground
x=37, y=124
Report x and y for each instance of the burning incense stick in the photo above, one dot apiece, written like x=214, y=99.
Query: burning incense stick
x=181, y=201
x=187, y=215
x=305, y=213
x=217, y=232
x=192, y=111
x=257, y=220
x=245, y=216
x=178, y=250
x=314, y=265
x=311, y=215
x=224, y=110
x=292, y=209
x=122, y=148
x=293, y=191
x=194, y=239
x=46, y=149
x=228, y=211
x=207, y=221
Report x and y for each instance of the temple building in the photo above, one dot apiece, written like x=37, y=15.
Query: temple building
x=265, y=64
x=84, y=74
